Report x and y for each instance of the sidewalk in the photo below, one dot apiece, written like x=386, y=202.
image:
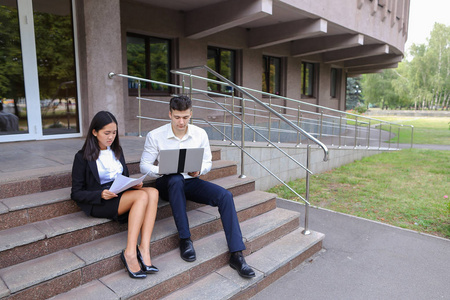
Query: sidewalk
x=363, y=259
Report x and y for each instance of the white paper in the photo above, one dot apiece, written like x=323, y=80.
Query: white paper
x=122, y=183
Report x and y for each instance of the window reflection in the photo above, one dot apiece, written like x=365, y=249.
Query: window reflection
x=308, y=79
x=13, y=110
x=223, y=62
x=56, y=66
x=148, y=57
x=271, y=77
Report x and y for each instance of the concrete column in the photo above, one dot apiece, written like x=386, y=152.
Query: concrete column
x=103, y=55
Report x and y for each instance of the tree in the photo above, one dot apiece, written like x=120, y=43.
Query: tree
x=423, y=82
x=353, y=95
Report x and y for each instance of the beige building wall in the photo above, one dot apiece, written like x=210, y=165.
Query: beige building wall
x=106, y=51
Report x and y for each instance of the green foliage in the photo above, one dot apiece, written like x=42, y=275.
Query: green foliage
x=422, y=82
x=54, y=54
x=354, y=97
x=360, y=109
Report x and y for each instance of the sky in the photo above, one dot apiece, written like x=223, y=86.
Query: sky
x=422, y=16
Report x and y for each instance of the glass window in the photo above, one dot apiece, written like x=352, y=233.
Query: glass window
x=334, y=82
x=308, y=79
x=271, y=77
x=223, y=61
x=55, y=53
x=148, y=57
x=13, y=109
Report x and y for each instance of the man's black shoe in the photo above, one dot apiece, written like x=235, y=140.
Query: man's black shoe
x=187, y=251
x=238, y=263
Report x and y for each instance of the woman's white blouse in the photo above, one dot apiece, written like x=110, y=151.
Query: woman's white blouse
x=108, y=166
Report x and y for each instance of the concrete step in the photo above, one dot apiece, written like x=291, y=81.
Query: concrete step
x=101, y=257
x=25, y=209
x=40, y=238
x=22, y=243
x=269, y=263
x=212, y=254
x=24, y=182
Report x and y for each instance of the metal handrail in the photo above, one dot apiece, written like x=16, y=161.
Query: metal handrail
x=301, y=120
x=265, y=108
x=318, y=107
x=287, y=121
x=258, y=133
x=305, y=199
x=259, y=163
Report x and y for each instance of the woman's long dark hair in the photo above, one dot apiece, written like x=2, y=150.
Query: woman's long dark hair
x=91, y=148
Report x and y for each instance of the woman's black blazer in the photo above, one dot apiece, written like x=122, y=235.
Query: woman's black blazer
x=86, y=187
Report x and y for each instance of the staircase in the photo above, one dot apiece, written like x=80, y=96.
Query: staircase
x=49, y=248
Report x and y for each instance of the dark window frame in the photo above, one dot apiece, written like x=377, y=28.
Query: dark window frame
x=267, y=62
x=308, y=80
x=335, y=76
x=133, y=91
x=218, y=68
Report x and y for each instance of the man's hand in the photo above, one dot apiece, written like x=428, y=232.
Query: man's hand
x=107, y=195
x=194, y=174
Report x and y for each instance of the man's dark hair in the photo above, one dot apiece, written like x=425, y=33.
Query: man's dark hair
x=180, y=103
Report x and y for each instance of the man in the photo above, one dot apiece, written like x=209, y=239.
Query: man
x=176, y=188
x=8, y=121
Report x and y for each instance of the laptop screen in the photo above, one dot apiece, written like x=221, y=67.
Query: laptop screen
x=173, y=161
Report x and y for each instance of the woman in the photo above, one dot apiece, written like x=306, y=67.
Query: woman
x=94, y=169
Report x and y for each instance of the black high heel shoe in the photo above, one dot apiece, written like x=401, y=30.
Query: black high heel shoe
x=147, y=269
x=136, y=275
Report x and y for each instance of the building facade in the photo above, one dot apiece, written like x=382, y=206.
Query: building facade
x=57, y=54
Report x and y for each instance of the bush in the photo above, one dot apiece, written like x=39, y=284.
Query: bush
x=360, y=109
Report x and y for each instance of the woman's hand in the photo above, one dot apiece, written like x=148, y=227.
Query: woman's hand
x=107, y=195
x=138, y=186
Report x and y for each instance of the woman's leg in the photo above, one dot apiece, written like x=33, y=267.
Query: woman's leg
x=148, y=224
x=136, y=202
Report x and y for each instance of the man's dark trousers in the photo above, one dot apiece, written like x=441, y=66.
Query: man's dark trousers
x=176, y=189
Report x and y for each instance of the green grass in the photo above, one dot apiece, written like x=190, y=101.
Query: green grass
x=403, y=188
x=427, y=130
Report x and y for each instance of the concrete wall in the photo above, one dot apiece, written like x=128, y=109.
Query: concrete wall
x=101, y=48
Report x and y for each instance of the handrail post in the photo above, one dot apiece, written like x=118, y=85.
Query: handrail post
x=232, y=119
x=139, y=107
x=389, y=137
x=356, y=131
x=224, y=117
x=242, y=139
x=183, y=85
x=340, y=130
x=308, y=163
x=298, y=124
x=368, y=136
x=190, y=84
x=279, y=128
x=270, y=118
x=321, y=124
x=379, y=137
x=254, y=121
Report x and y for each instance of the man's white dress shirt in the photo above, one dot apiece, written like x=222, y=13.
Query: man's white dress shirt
x=163, y=138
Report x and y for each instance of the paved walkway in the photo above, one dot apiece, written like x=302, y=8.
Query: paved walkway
x=363, y=259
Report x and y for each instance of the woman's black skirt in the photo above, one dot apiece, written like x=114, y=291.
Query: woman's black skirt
x=109, y=208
